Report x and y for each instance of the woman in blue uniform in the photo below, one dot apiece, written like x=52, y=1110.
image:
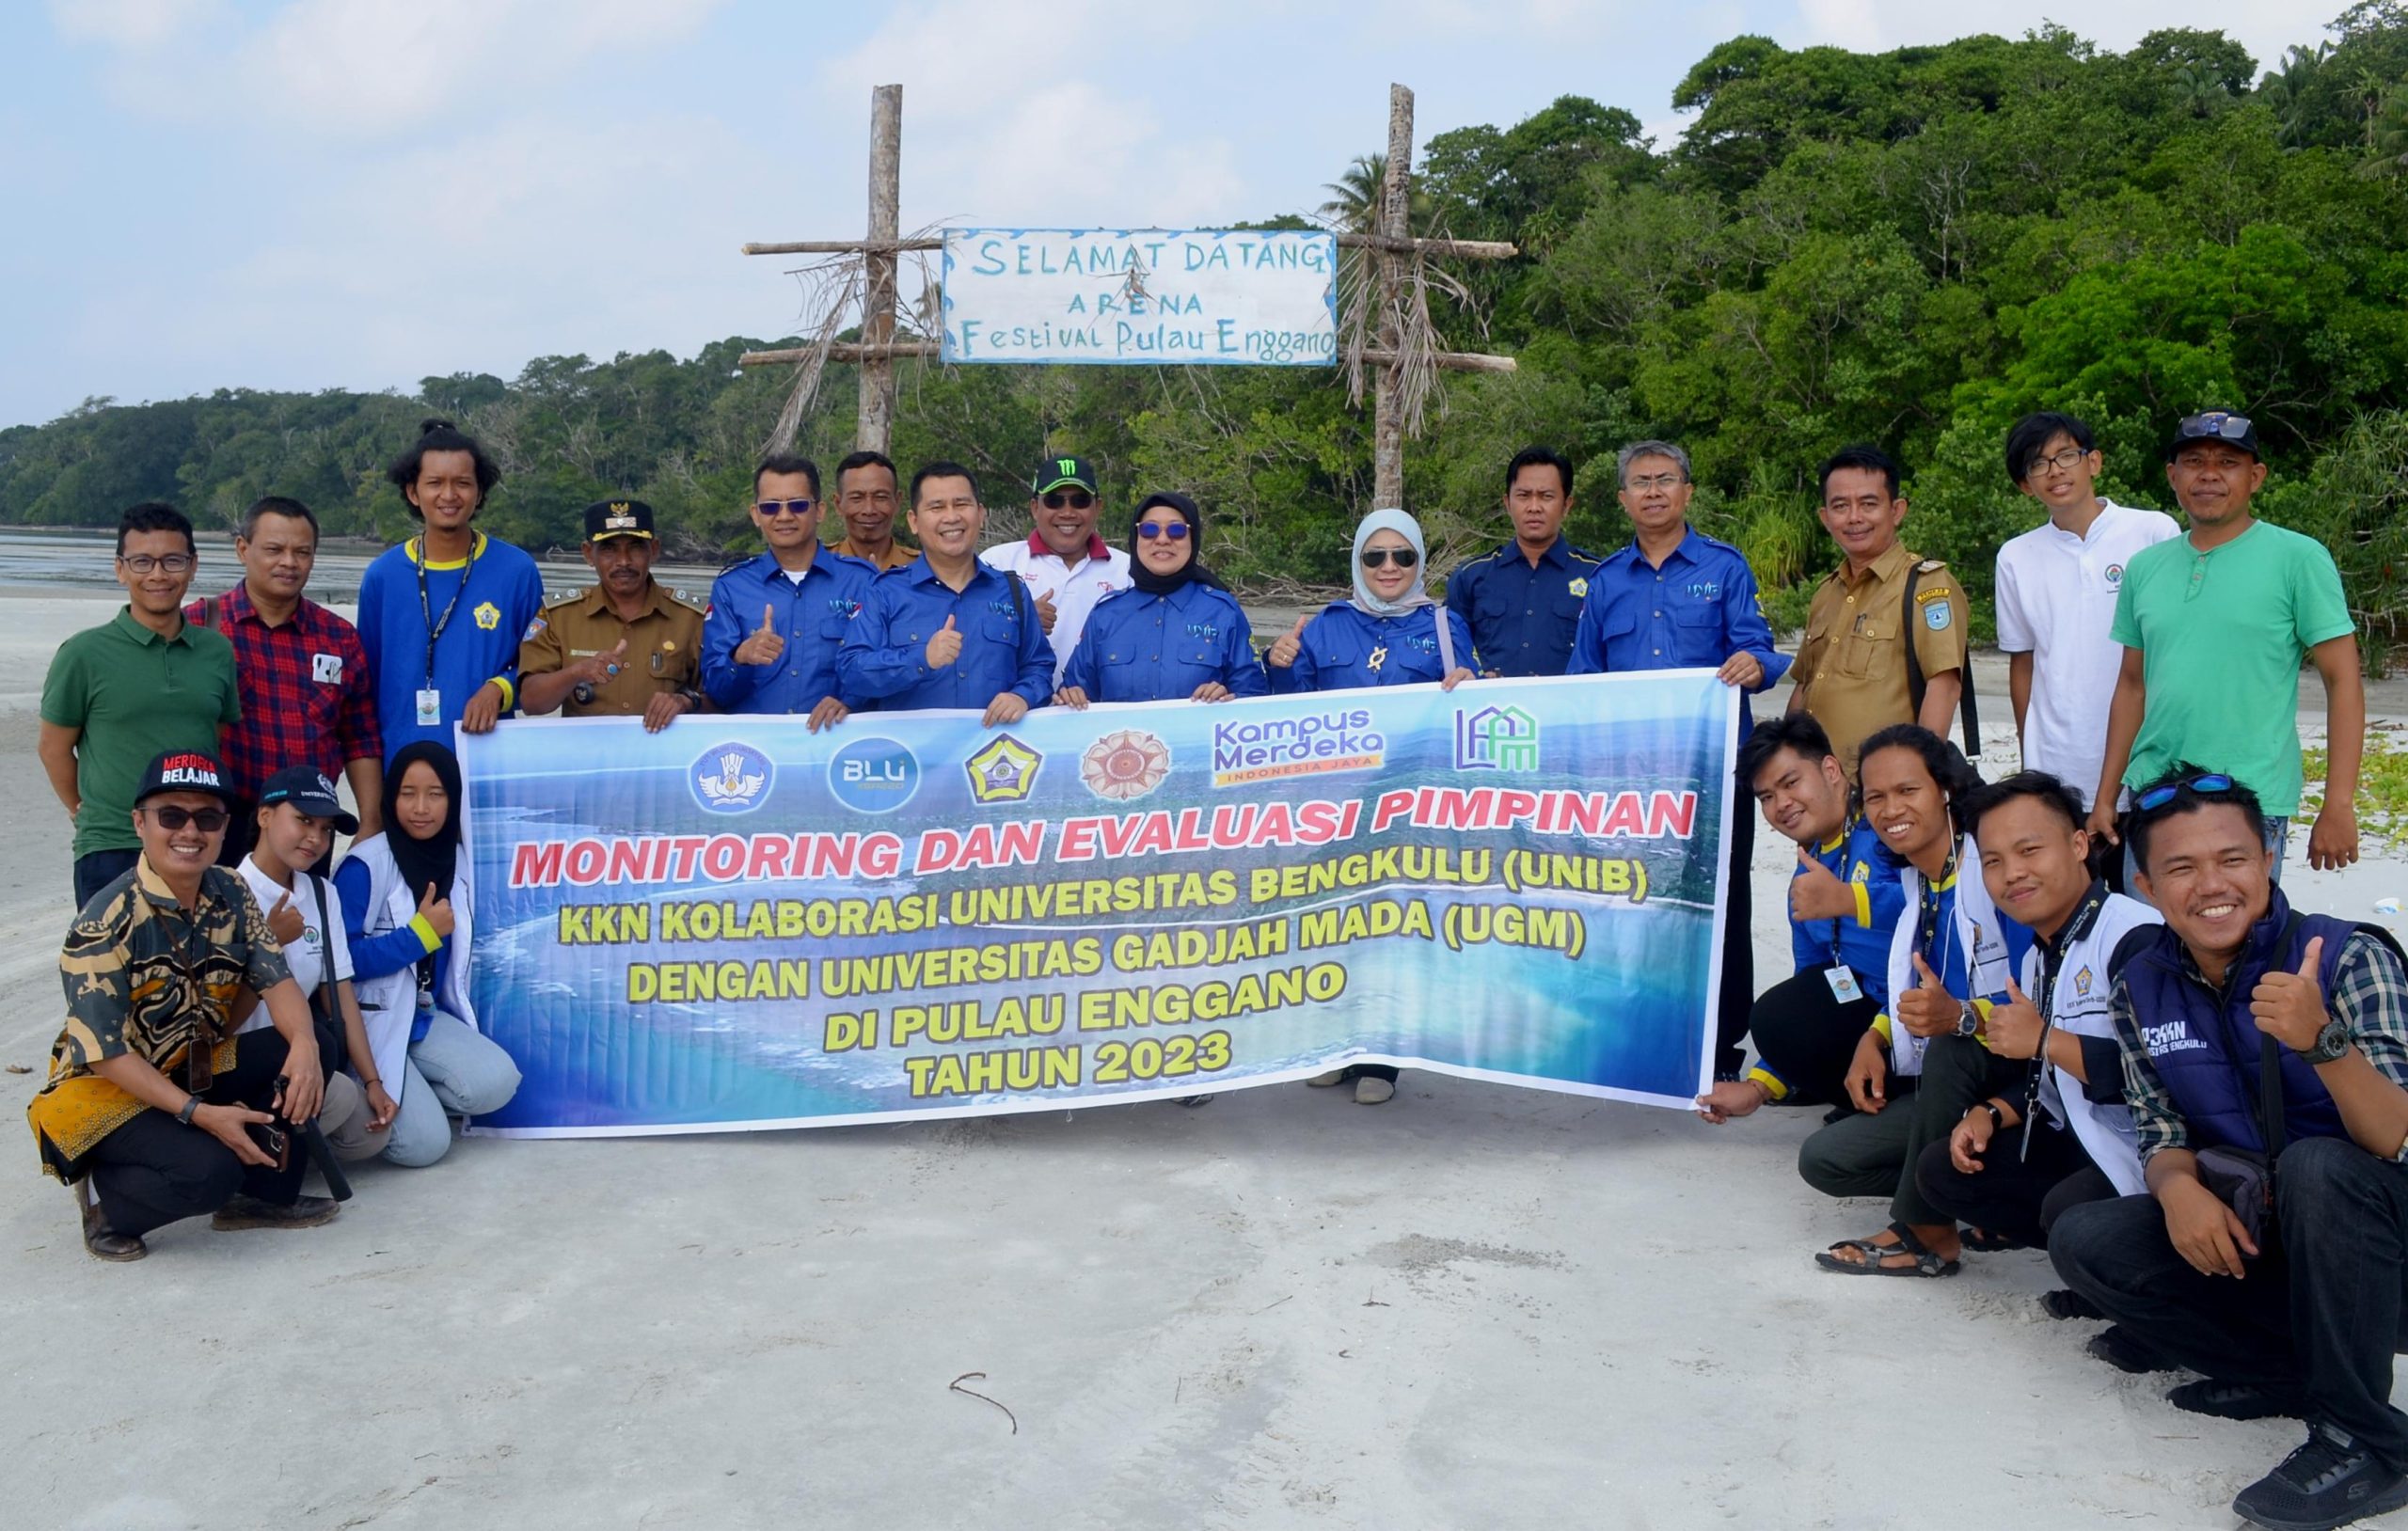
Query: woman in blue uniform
x=1176, y=633
x=1390, y=634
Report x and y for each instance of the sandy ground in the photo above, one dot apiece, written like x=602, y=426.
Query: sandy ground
x=1477, y=1307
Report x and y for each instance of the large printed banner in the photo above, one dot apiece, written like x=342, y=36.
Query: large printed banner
x=736, y=923
x=1250, y=298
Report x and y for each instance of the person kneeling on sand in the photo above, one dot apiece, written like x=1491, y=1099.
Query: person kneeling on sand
x=1918, y=1067
x=2275, y=1270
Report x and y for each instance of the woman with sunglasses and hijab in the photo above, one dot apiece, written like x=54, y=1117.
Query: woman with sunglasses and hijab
x=1391, y=633
x=1175, y=633
x=407, y=909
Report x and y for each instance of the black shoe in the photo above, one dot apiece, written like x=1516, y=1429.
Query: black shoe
x=100, y=1241
x=2065, y=1302
x=2119, y=1350
x=2329, y=1481
x=2237, y=1400
x=251, y=1213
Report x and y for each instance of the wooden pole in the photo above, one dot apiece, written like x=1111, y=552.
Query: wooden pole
x=1387, y=418
x=876, y=427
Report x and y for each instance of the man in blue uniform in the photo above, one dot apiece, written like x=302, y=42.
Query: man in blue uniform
x=1522, y=602
x=945, y=630
x=775, y=622
x=1672, y=599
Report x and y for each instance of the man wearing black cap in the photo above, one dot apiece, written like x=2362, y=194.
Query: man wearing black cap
x=1066, y=566
x=624, y=648
x=155, y=1110
x=2213, y=627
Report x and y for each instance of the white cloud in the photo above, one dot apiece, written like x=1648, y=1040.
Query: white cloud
x=128, y=23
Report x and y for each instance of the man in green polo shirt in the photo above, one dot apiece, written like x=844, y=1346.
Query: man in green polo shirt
x=2213, y=627
x=122, y=693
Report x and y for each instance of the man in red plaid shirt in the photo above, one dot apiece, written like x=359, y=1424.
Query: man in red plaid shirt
x=306, y=697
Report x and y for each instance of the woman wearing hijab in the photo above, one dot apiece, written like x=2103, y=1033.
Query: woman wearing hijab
x=1390, y=634
x=1175, y=633
x=406, y=908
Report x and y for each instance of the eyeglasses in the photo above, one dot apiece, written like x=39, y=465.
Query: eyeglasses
x=2215, y=422
x=1077, y=499
x=207, y=820
x=1378, y=557
x=785, y=507
x=1656, y=481
x=143, y=563
x=2158, y=796
x=1176, y=531
x=2062, y=460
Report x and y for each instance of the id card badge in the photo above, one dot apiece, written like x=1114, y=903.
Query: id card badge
x=430, y=707
x=1844, y=986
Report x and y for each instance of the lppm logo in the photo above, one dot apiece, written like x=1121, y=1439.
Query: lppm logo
x=1496, y=740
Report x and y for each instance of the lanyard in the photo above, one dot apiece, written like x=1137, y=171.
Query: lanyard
x=435, y=626
x=2052, y=966
x=1927, y=902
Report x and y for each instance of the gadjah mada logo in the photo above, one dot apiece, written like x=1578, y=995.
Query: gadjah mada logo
x=1124, y=765
x=875, y=775
x=1496, y=739
x=1005, y=772
x=730, y=778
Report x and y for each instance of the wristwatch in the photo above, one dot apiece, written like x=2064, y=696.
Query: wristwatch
x=1968, y=1019
x=191, y=1104
x=2333, y=1041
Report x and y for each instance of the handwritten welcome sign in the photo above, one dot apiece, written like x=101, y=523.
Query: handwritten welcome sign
x=1147, y=296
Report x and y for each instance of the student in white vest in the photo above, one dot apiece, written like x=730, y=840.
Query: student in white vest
x=407, y=910
x=2062, y=1135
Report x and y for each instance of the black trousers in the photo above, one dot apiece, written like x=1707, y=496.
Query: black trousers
x=1738, y=998
x=97, y=870
x=2319, y=1310
x=152, y=1172
x=1808, y=1037
x=1877, y=1154
x=2019, y=1195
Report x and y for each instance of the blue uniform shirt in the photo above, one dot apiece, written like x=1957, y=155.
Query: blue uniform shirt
x=1522, y=618
x=1696, y=610
x=813, y=617
x=1344, y=647
x=1859, y=860
x=1149, y=648
x=493, y=596
x=886, y=657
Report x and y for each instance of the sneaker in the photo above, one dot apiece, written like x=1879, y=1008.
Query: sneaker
x=251, y=1213
x=2118, y=1348
x=1323, y=1081
x=2237, y=1400
x=2065, y=1302
x=100, y=1241
x=1371, y=1090
x=2329, y=1481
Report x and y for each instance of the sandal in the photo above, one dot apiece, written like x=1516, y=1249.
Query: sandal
x=1926, y=1265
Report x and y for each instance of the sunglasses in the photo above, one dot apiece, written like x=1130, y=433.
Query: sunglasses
x=2157, y=796
x=1378, y=557
x=785, y=507
x=2214, y=423
x=1077, y=499
x=210, y=820
x=1176, y=531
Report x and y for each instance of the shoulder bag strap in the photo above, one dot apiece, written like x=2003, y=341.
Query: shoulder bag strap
x=324, y=1008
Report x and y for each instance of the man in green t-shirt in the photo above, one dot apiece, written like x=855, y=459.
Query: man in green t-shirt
x=2213, y=627
x=123, y=693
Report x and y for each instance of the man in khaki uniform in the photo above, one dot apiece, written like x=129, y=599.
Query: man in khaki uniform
x=1853, y=672
x=624, y=648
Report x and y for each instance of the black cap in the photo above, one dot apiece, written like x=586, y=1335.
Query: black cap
x=1055, y=472
x=2214, y=425
x=184, y=770
x=606, y=518
x=305, y=787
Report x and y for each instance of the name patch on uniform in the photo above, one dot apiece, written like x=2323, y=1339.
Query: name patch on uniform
x=1203, y=630
x=1705, y=590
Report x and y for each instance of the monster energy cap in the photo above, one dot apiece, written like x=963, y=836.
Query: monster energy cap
x=1054, y=472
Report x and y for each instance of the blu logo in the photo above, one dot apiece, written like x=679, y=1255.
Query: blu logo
x=873, y=775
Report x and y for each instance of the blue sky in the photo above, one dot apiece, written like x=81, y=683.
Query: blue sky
x=307, y=193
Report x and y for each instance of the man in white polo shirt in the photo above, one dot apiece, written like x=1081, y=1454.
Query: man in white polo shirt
x=1066, y=567
x=2056, y=600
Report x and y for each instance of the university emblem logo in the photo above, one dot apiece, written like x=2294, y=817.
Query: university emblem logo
x=1005, y=772
x=1124, y=765
x=488, y=615
x=731, y=778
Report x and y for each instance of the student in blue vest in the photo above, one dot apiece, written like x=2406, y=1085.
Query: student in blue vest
x=1176, y=633
x=1390, y=634
x=2300, y=1317
x=441, y=616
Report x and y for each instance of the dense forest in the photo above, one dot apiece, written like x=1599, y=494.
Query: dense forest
x=1909, y=249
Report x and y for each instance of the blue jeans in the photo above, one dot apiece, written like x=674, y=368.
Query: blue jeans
x=2278, y=840
x=455, y=1069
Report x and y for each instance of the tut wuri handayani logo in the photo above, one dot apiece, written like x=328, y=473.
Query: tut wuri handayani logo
x=730, y=778
x=1496, y=739
x=1004, y=771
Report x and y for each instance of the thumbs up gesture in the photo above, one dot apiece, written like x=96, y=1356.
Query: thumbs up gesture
x=1815, y=893
x=601, y=669
x=284, y=921
x=1285, y=648
x=1927, y=1009
x=945, y=646
x=2014, y=1028
x=763, y=645
x=1046, y=615
x=436, y=912
x=2289, y=1007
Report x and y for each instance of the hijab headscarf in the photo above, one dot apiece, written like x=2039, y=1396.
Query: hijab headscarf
x=434, y=860
x=1145, y=579
x=1396, y=521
